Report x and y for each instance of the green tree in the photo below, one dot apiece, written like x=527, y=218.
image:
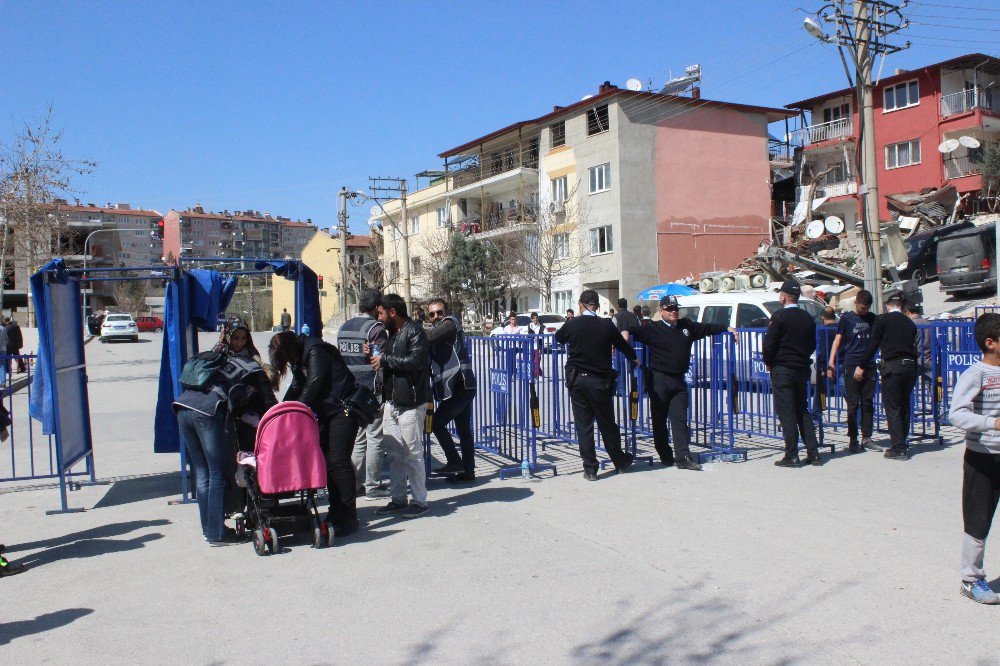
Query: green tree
x=991, y=174
x=475, y=269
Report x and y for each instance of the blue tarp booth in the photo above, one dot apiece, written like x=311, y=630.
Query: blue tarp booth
x=194, y=299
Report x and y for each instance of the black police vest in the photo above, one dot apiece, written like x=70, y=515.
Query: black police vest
x=351, y=340
x=450, y=363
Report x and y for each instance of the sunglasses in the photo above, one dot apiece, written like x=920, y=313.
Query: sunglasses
x=670, y=308
x=434, y=314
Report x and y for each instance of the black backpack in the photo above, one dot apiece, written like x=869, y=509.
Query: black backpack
x=200, y=369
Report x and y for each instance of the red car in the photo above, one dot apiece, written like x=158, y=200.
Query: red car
x=149, y=324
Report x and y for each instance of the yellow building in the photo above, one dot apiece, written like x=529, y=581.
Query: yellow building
x=322, y=255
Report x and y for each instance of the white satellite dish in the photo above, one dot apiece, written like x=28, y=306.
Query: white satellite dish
x=815, y=229
x=585, y=98
x=969, y=141
x=834, y=224
x=813, y=27
x=634, y=84
x=375, y=211
x=948, y=145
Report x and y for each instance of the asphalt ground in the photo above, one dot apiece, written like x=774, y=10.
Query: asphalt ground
x=852, y=562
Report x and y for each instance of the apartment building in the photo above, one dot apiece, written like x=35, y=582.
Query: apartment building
x=196, y=232
x=630, y=188
x=916, y=111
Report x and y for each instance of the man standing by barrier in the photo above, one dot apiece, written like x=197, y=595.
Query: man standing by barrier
x=894, y=335
x=669, y=342
x=625, y=320
x=788, y=346
x=354, y=335
x=406, y=381
x=455, y=389
x=590, y=379
x=852, y=336
x=15, y=341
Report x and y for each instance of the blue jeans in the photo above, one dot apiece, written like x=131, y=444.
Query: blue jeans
x=205, y=440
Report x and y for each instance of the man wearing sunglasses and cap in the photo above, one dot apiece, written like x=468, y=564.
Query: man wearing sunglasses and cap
x=669, y=341
x=590, y=379
x=788, y=347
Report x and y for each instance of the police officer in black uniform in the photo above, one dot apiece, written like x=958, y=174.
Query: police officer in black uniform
x=590, y=379
x=788, y=345
x=669, y=341
x=895, y=336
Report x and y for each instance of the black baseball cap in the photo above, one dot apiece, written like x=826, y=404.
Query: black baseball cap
x=589, y=297
x=791, y=287
x=669, y=302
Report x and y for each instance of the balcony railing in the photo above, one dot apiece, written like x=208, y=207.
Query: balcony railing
x=837, y=189
x=779, y=151
x=835, y=129
x=492, y=165
x=496, y=219
x=959, y=167
x=968, y=100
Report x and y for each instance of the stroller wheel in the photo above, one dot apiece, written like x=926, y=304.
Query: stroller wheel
x=319, y=538
x=259, y=544
x=241, y=529
x=272, y=541
x=329, y=535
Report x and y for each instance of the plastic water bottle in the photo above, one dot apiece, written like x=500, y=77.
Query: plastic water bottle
x=376, y=349
x=525, y=470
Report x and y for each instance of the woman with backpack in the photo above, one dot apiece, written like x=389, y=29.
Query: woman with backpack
x=322, y=380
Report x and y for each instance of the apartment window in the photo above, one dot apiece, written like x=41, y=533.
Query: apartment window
x=395, y=233
x=415, y=266
x=597, y=120
x=839, y=173
x=559, y=193
x=600, y=178
x=415, y=225
x=902, y=154
x=561, y=242
x=562, y=301
x=601, y=241
x=393, y=271
x=559, y=134
x=836, y=113
x=442, y=217
x=901, y=96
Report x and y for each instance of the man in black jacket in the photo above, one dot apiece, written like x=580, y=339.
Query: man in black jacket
x=15, y=340
x=788, y=347
x=591, y=381
x=406, y=386
x=669, y=342
x=895, y=336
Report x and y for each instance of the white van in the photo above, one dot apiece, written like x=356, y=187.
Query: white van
x=739, y=309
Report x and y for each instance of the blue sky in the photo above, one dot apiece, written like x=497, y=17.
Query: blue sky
x=273, y=106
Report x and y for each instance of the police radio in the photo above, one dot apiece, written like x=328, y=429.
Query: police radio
x=633, y=398
x=536, y=416
x=429, y=417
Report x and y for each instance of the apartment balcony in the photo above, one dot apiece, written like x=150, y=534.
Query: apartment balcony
x=780, y=154
x=499, y=222
x=495, y=171
x=965, y=101
x=835, y=129
x=960, y=167
x=838, y=189
x=92, y=223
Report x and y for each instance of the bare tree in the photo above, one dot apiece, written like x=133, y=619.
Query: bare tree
x=435, y=244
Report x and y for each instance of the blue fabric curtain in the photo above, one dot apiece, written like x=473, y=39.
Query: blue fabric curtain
x=306, y=293
x=42, y=391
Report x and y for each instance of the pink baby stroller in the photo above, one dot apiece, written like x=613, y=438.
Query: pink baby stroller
x=287, y=464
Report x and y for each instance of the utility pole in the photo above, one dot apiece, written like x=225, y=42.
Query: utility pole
x=344, y=195
x=862, y=32
x=397, y=187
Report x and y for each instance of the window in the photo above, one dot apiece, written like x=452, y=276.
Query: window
x=902, y=154
x=600, y=178
x=836, y=113
x=559, y=193
x=839, y=173
x=601, y=241
x=748, y=313
x=558, y=134
x=900, y=96
x=415, y=225
x=395, y=233
x=691, y=312
x=393, y=271
x=597, y=120
x=442, y=217
x=562, y=300
x=561, y=242
x=415, y=266
x=717, y=314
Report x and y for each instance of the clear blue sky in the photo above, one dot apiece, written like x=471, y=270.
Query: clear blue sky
x=275, y=105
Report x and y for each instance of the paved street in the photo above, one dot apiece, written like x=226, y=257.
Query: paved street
x=854, y=562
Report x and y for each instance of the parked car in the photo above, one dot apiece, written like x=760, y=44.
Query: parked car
x=552, y=322
x=740, y=309
x=967, y=260
x=149, y=324
x=119, y=327
x=922, y=251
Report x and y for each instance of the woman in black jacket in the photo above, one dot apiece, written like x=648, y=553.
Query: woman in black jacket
x=322, y=380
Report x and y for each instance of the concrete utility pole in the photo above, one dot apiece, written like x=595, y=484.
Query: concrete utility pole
x=398, y=189
x=344, y=195
x=863, y=31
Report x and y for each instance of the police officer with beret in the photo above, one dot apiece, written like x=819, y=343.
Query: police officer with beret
x=669, y=341
x=789, y=343
x=590, y=379
x=894, y=335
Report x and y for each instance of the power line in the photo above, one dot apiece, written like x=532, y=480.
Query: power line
x=952, y=27
x=966, y=7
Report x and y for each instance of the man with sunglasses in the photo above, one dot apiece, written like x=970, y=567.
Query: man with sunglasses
x=455, y=389
x=669, y=342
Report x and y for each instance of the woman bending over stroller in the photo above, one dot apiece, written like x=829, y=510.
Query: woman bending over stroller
x=322, y=380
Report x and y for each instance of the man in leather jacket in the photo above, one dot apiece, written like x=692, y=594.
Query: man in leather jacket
x=406, y=386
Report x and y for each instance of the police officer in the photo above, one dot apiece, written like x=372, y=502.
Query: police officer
x=895, y=336
x=353, y=336
x=455, y=389
x=789, y=343
x=669, y=342
x=591, y=382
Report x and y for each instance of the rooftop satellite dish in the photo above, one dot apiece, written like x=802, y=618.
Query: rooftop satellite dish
x=813, y=27
x=815, y=229
x=948, y=145
x=834, y=224
x=969, y=141
x=375, y=211
x=585, y=98
x=634, y=84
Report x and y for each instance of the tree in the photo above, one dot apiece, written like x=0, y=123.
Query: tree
x=991, y=175
x=132, y=295
x=475, y=270
x=436, y=244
